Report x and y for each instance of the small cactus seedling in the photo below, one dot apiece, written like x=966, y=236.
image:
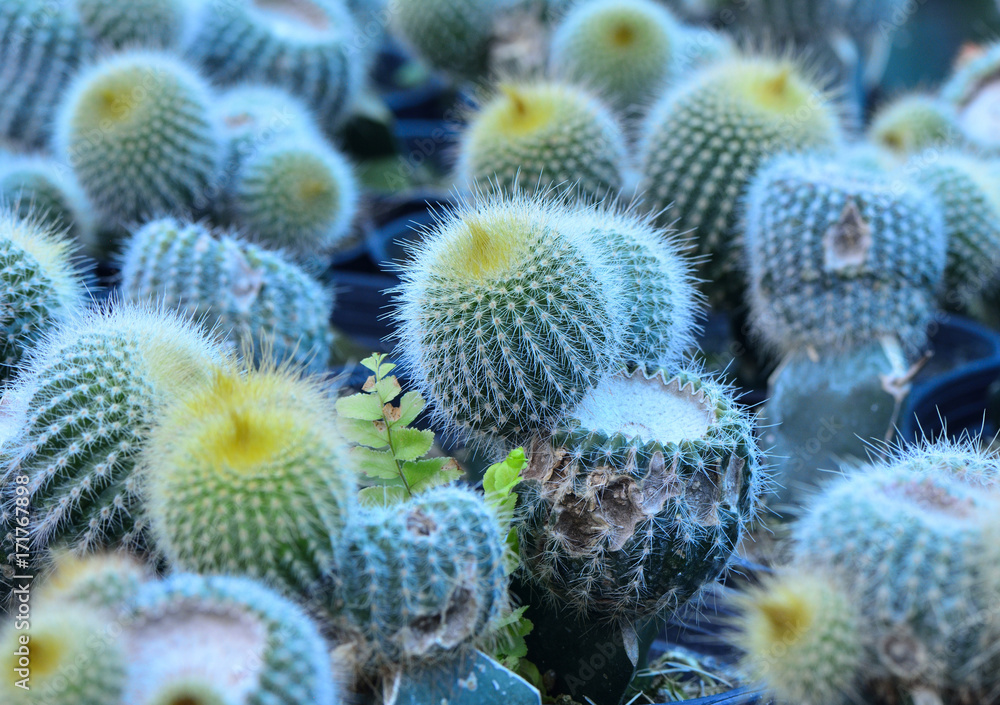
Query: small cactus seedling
x=802, y=638
x=974, y=92
x=137, y=130
x=451, y=35
x=303, y=46
x=247, y=476
x=623, y=48
x=80, y=414
x=43, y=45
x=267, y=304
x=107, y=581
x=969, y=191
x=543, y=136
x=704, y=141
x=298, y=195
x=72, y=656
x=115, y=25
x=224, y=640
x=506, y=317
x=39, y=289
x=640, y=495
x=913, y=123
x=425, y=578
x=840, y=255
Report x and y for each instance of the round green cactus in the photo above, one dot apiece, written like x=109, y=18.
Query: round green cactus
x=107, y=581
x=451, y=35
x=839, y=255
x=125, y=25
x=425, y=578
x=265, y=442
x=640, y=495
x=136, y=128
x=623, y=48
x=543, y=136
x=704, y=140
x=80, y=414
x=303, y=46
x=266, y=304
x=913, y=123
x=43, y=45
x=506, y=316
x=224, y=639
x=973, y=90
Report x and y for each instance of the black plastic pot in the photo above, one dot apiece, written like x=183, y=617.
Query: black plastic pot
x=363, y=305
x=428, y=101
x=400, y=221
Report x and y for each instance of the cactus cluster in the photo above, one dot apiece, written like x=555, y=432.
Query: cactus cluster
x=155, y=24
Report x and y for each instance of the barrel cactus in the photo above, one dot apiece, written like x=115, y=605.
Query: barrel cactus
x=119, y=25
x=452, y=35
x=106, y=581
x=972, y=92
x=915, y=122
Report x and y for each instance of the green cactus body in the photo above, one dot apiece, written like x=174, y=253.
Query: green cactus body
x=224, y=639
x=120, y=25
x=640, y=495
x=506, y=317
x=39, y=187
x=623, y=48
x=264, y=303
x=247, y=477
x=974, y=91
x=840, y=255
x=298, y=195
x=39, y=288
x=451, y=35
x=827, y=408
x=136, y=128
x=542, y=136
x=969, y=191
x=74, y=657
x=79, y=417
x=705, y=139
x=905, y=536
x=425, y=578
x=42, y=44
x=913, y=123
x=303, y=46
x=107, y=581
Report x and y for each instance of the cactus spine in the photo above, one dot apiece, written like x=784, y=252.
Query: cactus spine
x=147, y=23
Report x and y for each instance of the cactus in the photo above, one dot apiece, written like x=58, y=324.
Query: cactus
x=422, y=579
x=802, y=638
x=119, y=25
x=298, y=195
x=40, y=288
x=268, y=305
x=106, y=581
x=303, y=46
x=840, y=255
x=913, y=123
x=263, y=441
x=543, y=136
x=640, y=495
x=136, y=129
x=699, y=47
x=704, y=140
x=506, y=317
x=39, y=187
x=906, y=536
x=42, y=44
x=969, y=191
x=972, y=92
x=625, y=49
x=451, y=35
x=79, y=417
x=225, y=638
x=188, y=692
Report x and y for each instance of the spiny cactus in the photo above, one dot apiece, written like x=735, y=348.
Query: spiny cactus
x=506, y=317
x=543, y=135
x=298, y=195
x=452, y=35
x=704, y=140
x=73, y=656
x=839, y=255
x=263, y=443
x=105, y=580
x=972, y=91
x=624, y=48
x=120, y=25
x=640, y=495
x=905, y=536
x=227, y=637
x=42, y=44
x=303, y=46
x=801, y=635
x=913, y=123
x=969, y=191
x=265, y=303
x=136, y=128
x=422, y=579
x=40, y=187
x=79, y=415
